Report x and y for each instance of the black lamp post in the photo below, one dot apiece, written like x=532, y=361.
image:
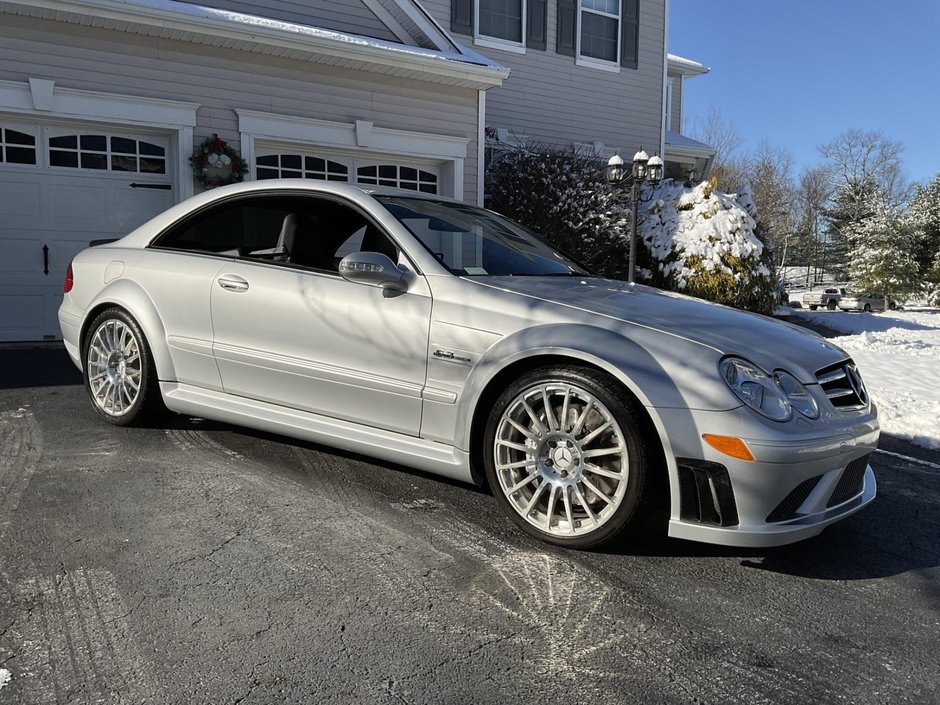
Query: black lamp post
x=645, y=168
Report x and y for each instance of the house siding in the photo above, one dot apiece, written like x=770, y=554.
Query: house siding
x=350, y=16
x=675, y=118
x=548, y=98
x=222, y=80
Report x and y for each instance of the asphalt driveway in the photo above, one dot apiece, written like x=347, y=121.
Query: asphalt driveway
x=201, y=563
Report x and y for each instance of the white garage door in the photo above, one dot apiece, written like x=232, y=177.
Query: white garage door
x=61, y=187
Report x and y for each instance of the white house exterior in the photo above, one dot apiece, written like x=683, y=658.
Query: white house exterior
x=103, y=101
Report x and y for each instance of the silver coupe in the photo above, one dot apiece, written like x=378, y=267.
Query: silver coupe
x=438, y=335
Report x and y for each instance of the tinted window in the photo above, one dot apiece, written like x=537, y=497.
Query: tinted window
x=305, y=232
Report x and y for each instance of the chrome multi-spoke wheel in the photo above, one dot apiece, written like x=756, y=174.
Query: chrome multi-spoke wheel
x=563, y=455
x=118, y=368
x=114, y=367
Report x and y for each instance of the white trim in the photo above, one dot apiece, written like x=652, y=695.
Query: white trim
x=386, y=17
x=187, y=22
x=343, y=134
x=361, y=137
x=113, y=109
x=597, y=64
x=667, y=86
x=425, y=22
x=481, y=144
x=501, y=44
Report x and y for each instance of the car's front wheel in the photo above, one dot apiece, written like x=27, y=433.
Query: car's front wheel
x=120, y=376
x=564, y=456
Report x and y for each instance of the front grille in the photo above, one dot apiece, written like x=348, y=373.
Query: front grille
x=791, y=503
x=705, y=493
x=843, y=385
x=850, y=484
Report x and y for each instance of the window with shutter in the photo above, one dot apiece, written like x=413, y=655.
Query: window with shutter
x=501, y=24
x=599, y=35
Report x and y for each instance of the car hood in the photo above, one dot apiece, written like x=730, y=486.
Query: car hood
x=767, y=342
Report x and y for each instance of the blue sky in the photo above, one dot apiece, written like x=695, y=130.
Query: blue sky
x=800, y=72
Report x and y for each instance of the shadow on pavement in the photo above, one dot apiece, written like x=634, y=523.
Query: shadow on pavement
x=45, y=365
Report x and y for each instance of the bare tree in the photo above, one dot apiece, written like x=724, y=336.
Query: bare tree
x=813, y=194
x=774, y=193
x=862, y=162
x=729, y=168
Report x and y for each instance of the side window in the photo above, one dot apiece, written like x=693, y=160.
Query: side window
x=326, y=231
x=243, y=228
x=313, y=233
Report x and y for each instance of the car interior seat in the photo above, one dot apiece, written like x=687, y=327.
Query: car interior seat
x=299, y=240
x=375, y=241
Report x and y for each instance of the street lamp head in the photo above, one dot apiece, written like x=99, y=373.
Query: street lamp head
x=639, y=165
x=654, y=168
x=615, y=172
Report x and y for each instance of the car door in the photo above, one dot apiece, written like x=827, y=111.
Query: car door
x=289, y=330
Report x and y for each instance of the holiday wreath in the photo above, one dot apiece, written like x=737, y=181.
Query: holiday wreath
x=214, y=163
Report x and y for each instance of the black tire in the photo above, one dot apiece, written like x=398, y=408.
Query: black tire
x=587, y=418
x=115, y=358
x=831, y=305
x=813, y=308
x=867, y=308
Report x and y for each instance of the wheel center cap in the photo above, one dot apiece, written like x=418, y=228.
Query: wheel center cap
x=563, y=457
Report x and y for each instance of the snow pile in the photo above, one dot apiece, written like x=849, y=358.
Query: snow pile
x=5, y=677
x=703, y=243
x=898, y=354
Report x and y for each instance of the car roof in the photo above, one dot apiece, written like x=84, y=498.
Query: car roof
x=319, y=186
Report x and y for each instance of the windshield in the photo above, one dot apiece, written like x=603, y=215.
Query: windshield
x=474, y=242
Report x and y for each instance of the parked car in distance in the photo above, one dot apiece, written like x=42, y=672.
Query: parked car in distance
x=865, y=301
x=827, y=298
x=431, y=333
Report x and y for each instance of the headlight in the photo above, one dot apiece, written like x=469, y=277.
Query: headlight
x=797, y=394
x=775, y=397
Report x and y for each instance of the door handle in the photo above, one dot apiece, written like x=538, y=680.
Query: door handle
x=45, y=259
x=230, y=282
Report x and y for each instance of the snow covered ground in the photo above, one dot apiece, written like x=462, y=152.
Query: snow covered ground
x=898, y=353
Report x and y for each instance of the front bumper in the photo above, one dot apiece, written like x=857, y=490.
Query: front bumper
x=802, y=480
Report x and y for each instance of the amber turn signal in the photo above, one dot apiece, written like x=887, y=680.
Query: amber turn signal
x=729, y=445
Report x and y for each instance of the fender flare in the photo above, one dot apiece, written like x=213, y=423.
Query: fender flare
x=130, y=296
x=625, y=360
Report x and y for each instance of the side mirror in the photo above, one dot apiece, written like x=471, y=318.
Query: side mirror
x=373, y=268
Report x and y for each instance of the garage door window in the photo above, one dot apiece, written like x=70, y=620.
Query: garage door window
x=397, y=176
x=107, y=153
x=296, y=166
x=17, y=147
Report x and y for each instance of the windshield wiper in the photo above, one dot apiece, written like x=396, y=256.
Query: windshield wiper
x=548, y=274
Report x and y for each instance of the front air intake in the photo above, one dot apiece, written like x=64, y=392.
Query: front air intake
x=705, y=493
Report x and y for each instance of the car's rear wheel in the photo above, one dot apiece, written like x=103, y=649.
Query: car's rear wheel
x=564, y=456
x=831, y=305
x=813, y=308
x=120, y=376
x=867, y=308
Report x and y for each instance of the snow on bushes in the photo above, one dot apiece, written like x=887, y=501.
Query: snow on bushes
x=702, y=243
x=692, y=240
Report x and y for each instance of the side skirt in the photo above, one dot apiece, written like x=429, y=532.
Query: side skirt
x=437, y=458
